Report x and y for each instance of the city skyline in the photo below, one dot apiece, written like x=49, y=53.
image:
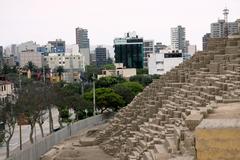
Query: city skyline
x=105, y=20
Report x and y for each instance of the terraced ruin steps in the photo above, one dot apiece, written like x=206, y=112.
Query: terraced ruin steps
x=159, y=123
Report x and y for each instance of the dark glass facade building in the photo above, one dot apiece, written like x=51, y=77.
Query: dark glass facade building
x=129, y=51
x=1, y=56
x=101, y=56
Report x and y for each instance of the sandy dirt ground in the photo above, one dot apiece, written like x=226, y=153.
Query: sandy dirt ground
x=226, y=110
x=71, y=149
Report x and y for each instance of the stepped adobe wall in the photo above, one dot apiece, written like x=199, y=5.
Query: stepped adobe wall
x=159, y=123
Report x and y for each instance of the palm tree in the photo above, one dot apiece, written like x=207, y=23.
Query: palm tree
x=60, y=71
x=30, y=66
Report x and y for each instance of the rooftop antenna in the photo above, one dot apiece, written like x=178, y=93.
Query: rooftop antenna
x=225, y=13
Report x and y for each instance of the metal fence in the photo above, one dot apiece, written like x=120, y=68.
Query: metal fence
x=37, y=149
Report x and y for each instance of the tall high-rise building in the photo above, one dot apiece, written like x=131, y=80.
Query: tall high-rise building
x=101, y=56
x=129, y=50
x=148, y=48
x=83, y=42
x=205, y=41
x=93, y=58
x=218, y=29
x=1, y=56
x=57, y=46
x=178, y=38
x=1, y=50
x=238, y=22
x=82, y=38
x=186, y=44
x=14, y=49
x=223, y=28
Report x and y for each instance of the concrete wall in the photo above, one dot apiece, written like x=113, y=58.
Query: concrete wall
x=218, y=142
x=34, y=151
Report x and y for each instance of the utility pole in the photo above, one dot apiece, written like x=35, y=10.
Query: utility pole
x=20, y=126
x=44, y=76
x=82, y=87
x=94, y=99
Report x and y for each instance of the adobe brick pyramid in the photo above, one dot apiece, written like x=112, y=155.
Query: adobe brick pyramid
x=159, y=123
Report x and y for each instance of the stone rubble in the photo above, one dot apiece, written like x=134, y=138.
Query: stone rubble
x=159, y=123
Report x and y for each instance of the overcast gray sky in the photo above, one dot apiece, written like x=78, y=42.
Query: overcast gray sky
x=43, y=20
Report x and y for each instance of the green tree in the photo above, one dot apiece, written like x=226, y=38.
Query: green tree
x=8, y=116
x=60, y=71
x=142, y=79
x=31, y=103
x=6, y=69
x=89, y=71
x=80, y=105
x=109, y=81
x=135, y=87
x=106, y=99
x=71, y=89
x=109, y=67
x=125, y=92
x=63, y=104
x=141, y=71
x=31, y=66
x=14, y=78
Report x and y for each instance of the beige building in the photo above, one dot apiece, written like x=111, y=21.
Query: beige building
x=9, y=61
x=6, y=89
x=31, y=55
x=120, y=70
x=69, y=61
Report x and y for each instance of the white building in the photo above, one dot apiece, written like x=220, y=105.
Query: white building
x=192, y=49
x=164, y=61
x=223, y=28
x=6, y=89
x=218, y=29
x=74, y=48
x=148, y=48
x=30, y=45
x=178, y=38
x=31, y=55
x=69, y=61
x=83, y=42
x=86, y=53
